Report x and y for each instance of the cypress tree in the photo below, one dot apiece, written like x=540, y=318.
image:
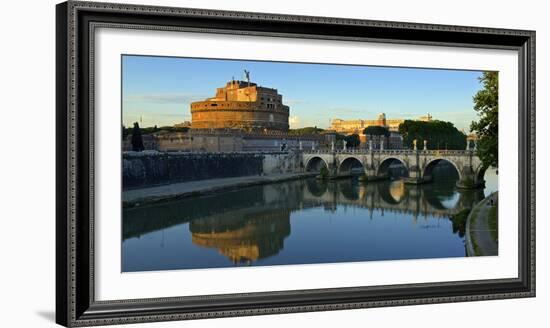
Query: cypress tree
x=137, y=139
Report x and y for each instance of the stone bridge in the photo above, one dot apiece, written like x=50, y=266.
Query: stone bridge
x=418, y=163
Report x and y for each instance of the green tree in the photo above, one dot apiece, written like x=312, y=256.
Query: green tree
x=439, y=134
x=486, y=106
x=375, y=130
x=352, y=140
x=137, y=139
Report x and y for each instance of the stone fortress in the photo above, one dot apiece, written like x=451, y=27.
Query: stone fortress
x=244, y=106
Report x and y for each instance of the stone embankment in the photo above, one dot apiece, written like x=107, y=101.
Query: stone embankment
x=136, y=197
x=481, y=236
x=151, y=168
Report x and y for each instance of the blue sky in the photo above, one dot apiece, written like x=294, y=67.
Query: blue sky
x=159, y=90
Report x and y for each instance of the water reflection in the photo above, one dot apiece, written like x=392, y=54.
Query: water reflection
x=243, y=239
x=304, y=221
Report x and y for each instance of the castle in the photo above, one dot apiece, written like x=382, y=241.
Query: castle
x=242, y=105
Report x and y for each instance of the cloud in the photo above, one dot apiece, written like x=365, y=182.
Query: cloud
x=167, y=98
x=294, y=122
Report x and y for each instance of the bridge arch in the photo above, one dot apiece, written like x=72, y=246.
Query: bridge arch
x=384, y=166
x=315, y=164
x=348, y=164
x=428, y=169
x=480, y=174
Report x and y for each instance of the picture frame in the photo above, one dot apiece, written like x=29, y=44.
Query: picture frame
x=77, y=21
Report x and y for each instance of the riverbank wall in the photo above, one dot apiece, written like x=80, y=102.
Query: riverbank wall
x=151, y=168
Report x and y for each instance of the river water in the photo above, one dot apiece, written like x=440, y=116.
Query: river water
x=301, y=222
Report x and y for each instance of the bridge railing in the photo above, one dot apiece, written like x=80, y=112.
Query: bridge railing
x=391, y=152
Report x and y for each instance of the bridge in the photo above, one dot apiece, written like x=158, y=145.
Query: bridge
x=419, y=164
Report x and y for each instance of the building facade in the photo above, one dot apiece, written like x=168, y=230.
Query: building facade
x=357, y=126
x=244, y=106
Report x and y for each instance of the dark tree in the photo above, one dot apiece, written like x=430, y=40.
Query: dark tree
x=352, y=140
x=124, y=133
x=439, y=134
x=137, y=139
x=375, y=130
x=486, y=105
x=340, y=136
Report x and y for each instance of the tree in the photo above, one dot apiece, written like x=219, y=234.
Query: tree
x=486, y=105
x=124, y=132
x=352, y=140
x=137, y=139
x=375, y=130
x=438, y=134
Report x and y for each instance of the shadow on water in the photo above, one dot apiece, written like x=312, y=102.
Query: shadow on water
x=254, y=223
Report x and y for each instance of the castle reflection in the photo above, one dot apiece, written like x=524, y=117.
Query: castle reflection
x=252, y=223
x=243, y=239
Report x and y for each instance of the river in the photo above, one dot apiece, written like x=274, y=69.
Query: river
x=301, y=222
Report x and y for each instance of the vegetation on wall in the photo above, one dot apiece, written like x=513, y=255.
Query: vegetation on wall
x=148, y=130
x=305, y=131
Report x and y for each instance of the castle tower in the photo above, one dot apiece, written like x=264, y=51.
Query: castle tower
x=241, y=105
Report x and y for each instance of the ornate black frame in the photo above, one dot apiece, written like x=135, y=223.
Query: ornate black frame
x=75, y=303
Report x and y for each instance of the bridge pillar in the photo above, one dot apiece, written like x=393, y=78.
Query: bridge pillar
x=468, y=179
x=371, y=174
x=371, y=167
x=333, y=165
x=415, y=171
x=415, y=176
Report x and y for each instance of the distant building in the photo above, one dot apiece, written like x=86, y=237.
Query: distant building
x=241, y=105
x=357, y=126
x=184, y=124
x=426, y=118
